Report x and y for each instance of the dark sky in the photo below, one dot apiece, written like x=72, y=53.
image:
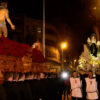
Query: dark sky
x=73, y=18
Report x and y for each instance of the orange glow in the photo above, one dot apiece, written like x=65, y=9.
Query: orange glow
x=64, y=45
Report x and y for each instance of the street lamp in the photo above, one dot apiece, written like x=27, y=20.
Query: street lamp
x=44, y=28
x=63, y=46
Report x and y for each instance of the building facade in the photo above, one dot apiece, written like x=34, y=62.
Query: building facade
x=30, y=30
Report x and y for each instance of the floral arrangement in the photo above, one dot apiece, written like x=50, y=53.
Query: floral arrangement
x=16, y=56
x=11, y=48
x=37, y=56
x=90, y=57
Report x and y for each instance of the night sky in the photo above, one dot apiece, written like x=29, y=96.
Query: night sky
x=72, y=18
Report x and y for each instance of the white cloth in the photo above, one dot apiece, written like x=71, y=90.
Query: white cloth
x=91, y=88
x=76, y=87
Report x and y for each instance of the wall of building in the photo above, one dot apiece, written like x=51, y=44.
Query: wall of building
x=30, y=30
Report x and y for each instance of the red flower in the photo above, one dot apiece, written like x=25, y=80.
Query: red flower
x=37, y=56
x=8, y=47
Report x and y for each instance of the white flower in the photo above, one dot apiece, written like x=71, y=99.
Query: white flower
x=98, y=43
x=88, y=40
x=98, y=54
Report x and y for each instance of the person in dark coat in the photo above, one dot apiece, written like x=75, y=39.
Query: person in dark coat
x=34, y=84
x=11, y=87
x=2, y=89
x=42, y=87
x=83, y=76
x=98, y=80
x=27, y=90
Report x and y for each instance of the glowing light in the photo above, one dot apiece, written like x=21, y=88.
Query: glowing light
x=64, y=75
x=94, y=8
x=64, y=45
x=75, y=60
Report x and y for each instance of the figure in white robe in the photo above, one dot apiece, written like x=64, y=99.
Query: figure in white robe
x=91, y=88
x=76, y=85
